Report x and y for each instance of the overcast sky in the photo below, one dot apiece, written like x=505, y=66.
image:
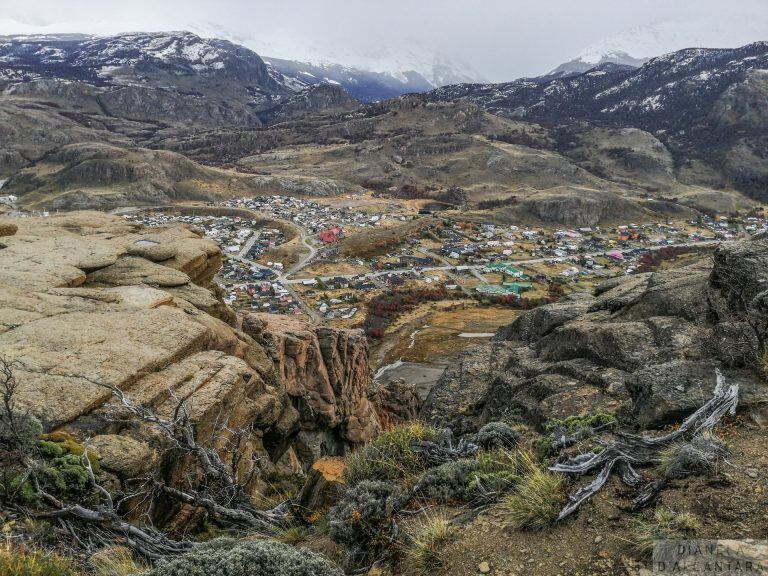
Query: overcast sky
x=495, y=39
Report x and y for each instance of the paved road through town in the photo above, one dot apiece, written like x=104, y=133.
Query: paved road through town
x=476, y=268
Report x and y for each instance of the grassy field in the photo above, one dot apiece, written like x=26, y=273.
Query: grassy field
x=437, y=326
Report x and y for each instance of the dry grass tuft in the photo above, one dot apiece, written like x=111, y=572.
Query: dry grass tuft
x=16, y=561
x=389, y=456
x=116, y=561
x=665, y=525
x=538, y=497
x=426, y=544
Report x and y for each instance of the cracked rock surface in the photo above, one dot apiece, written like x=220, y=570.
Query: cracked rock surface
x=88, y=300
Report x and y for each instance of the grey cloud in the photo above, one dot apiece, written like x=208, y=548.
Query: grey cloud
x=497, y=39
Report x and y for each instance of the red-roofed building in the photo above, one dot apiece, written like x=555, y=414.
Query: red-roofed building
x=331, y=235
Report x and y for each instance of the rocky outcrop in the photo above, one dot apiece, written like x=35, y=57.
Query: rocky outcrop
x=326, y=373
x=89, y=301
x=396, y=402
x=647, y=344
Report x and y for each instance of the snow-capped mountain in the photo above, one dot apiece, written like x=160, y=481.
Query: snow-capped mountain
x=164, y=76
x=170, y=57
x=135, y=58
x=665, y=93
x=589, y=60
x=708, y=104
x=361, y=84
x=731, y=30
x=392, y=62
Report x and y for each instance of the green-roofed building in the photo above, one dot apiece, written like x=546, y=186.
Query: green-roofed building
x=504, y=268
x=518, y=287
x=496, y=290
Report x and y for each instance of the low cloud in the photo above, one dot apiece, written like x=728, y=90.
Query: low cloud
x=491, y=39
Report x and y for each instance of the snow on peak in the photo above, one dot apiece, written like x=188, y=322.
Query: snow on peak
x=167, y=47
x=665, y=36
x=383, y=56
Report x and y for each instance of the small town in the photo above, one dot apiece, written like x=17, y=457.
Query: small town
x=283, y=254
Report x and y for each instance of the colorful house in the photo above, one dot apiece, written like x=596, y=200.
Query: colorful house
x=331, y=235
x=504, y=268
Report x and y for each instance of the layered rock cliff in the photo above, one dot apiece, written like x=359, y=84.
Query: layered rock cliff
x=89, y=301
x=645, y=345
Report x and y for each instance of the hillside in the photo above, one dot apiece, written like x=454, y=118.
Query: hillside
x=535, y=143
x=705, y=105
x=134, y=380
x=161, y=77
x=500, y=329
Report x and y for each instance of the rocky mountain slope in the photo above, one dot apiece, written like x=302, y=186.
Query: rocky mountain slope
x=572, y=150
x=706, y=105
x=412, y=141
x=104, y=176
x=163, y=77
x=89, y=301
x=647, y=344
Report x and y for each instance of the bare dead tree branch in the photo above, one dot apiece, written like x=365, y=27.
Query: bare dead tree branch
x=222, y=492
x=632, y=450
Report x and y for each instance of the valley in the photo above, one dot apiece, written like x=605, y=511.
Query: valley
x=272, y=317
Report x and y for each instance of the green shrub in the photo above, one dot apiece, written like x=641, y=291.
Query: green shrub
x=18, y=562
x=18, y=489
x=497, y=471
x=537, y=498
x=490, y=475
x=665, y=525
x=496, y=435
x=228, y=557
x=447, y=482
x=65, y=475
x=543, y=448
x=61, y=443
x=575, y=423
x=294, y=534
x=361, y=521
x=389, y=456
x=426, y=544
x=19, y=431
x=50, y=449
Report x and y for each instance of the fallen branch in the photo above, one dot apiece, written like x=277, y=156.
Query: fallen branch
x=434, y=454
x=632, y=450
